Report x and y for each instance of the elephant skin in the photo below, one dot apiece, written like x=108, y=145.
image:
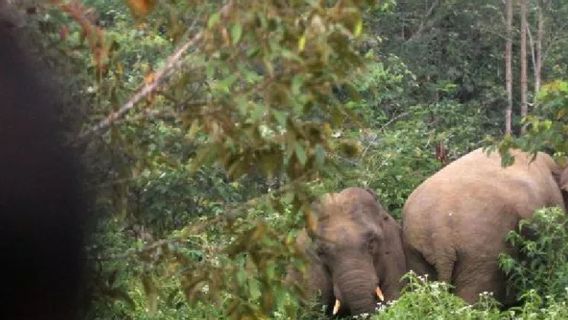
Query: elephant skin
x=455, y=222
x=355, y=248
x=562, y=178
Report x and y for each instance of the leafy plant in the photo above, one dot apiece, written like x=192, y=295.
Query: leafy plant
x=424, y=299
x=547, y=128
x=541, y=265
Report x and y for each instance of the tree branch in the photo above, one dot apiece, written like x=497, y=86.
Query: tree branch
x=161, y=76
x=423, y=22
x=382, y=128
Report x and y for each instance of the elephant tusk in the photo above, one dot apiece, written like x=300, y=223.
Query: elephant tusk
x=380, y=294
x=336, y=306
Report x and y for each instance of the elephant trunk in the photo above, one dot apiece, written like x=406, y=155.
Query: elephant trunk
x=355, y=288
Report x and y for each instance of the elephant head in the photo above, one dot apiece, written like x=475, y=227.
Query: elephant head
x=357, y=258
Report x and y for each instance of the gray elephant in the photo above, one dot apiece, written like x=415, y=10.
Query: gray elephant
x=455, y=222
x=355, y=256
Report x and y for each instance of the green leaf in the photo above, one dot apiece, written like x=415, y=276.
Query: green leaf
x=193, y=129
x=301, y=154
x=225, y=84
x=358, y=28
x=320, y=155
x=280, y=116
x=254, y=289
x=236, y=33
x=213, y=20
x=297, y=83
x=241, y=277
x=302, y=43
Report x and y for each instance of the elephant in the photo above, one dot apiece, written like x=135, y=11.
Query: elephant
x=454, y=224
x=354, y=252
x=563, y=183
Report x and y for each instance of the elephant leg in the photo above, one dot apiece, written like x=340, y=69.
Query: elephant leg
x=445, y=263
x=473, y=277
x=416, y=262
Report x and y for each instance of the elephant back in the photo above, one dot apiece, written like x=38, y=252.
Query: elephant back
x=526, y=185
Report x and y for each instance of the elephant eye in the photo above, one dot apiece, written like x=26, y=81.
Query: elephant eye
x=372, y=243
x=322, y=249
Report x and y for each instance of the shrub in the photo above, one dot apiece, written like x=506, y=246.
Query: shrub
x=542, y=261
x=423, y=299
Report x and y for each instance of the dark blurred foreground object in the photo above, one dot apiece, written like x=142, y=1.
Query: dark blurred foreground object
x=41, y=206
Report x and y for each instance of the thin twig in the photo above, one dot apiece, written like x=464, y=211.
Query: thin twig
x=423, y=22
x=382, y=128
x=393, y=119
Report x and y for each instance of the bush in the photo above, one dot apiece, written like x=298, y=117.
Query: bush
x=534, y=308
x=423, y=300
x=542, y=263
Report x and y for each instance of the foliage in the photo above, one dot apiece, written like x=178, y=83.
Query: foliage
x=403, y=131
x=451, y=46
x=200, y=188
x=533, y=308
x=125, y=288
x=188, y=171
x=423, y=299
x=546, y=128
x=404, y=154
x=399, y=154
x=541, y=266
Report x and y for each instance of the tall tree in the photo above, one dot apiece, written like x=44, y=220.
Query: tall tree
x=538, y=50
x=508, y=65
x=524, y=26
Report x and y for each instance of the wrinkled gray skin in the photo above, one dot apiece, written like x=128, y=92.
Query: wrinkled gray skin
x=357, y=246
x=454, y=224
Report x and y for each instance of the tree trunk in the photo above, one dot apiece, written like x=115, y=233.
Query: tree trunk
x=524, y=26
x=538, y=53
x=508, y=66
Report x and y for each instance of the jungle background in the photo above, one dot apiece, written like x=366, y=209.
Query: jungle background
x=208, y=127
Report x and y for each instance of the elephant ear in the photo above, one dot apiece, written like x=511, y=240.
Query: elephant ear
x=561, y=177
x=564, y=186
x=373, y=193
x=391, y=261
x=564, y=180
x=382, y=211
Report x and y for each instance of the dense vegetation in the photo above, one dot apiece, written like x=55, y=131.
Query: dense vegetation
x=208, y=127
